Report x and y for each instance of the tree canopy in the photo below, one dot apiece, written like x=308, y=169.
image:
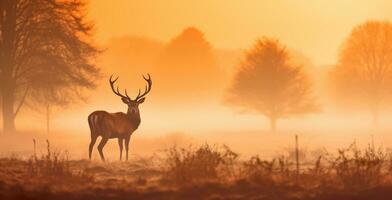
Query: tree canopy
x=363, y=76
x=268, y=83
x=43, y=42
x=188, y=64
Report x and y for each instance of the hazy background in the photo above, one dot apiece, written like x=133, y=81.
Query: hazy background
x=140, y=37
x=315, y=28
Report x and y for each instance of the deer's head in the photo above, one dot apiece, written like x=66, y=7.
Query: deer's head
x=133, y=104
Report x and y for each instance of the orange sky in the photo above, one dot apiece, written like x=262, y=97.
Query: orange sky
x=314, y=27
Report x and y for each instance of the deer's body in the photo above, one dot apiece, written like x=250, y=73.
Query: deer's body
x=116, y=125
x=113, y=125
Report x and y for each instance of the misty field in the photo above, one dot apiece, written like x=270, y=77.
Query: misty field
x=127, y=99
x=204, y=171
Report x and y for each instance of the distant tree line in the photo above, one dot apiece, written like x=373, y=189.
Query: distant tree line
x=266, y=82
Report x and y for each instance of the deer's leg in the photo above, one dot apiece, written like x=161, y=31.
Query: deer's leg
x=126, y=146
x=92, y=143
x=100, y=147
x=120, y=143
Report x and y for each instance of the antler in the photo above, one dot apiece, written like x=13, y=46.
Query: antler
x=147, y=89
x=117, y=92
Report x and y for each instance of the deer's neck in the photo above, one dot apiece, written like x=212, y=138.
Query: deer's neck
x=134, y=117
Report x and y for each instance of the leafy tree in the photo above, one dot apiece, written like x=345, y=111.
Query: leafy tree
x=268, y=83
x=41, y=39
x=188, y=64
x=363, y=75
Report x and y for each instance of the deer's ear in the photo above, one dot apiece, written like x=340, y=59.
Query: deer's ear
x=141, y=100
x=125, y=100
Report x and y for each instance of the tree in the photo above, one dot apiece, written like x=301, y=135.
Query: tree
x=268, y=83
x=363, y=75
x=46, y=99
x=38, y=35
x=53, y=92
x=186, y=60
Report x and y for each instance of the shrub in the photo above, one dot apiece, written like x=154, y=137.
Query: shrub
x=359, y=168
x=257, y=170
x=206, y=163
x=53, y=164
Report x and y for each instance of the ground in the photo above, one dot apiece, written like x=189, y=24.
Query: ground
x=205, y=172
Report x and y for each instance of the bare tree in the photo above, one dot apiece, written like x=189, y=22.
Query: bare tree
x=46, y=103
x=363, y=75
x=51, y=95
x=36, y=35
x=268, y=83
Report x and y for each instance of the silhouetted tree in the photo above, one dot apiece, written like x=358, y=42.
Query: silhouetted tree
x=36, y=35
x=53, y=93
x=268, y=83
x=187, y=63
x=46, y=100
x=363, y=75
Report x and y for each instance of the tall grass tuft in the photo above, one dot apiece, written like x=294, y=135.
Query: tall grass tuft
x=360, y=168
x=53, y=164
x=203, y=164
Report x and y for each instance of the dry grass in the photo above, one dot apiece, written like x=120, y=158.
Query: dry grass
x=204, y=172
x=355, y=168
x=198, y=165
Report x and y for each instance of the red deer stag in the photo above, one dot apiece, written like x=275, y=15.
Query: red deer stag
x=117, y=125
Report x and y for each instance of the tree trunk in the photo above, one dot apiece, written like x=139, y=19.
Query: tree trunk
x=273, y=124
x=376, y=117
x=375, y=109
x=7, y=48
x=8, y=110
x=48, y=119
